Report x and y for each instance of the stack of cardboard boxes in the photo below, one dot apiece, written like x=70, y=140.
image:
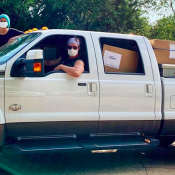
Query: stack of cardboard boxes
x=119, y=60
x=126, y=61
x=165, y=55
x=164, y=51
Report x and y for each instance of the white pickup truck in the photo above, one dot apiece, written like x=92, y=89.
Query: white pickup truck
x=46, y=110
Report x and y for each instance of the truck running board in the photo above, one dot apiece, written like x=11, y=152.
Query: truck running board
x=78, y=145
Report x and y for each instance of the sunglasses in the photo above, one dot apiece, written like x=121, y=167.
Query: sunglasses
x=72, y=47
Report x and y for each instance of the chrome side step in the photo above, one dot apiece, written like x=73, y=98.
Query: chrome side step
x=79, y=145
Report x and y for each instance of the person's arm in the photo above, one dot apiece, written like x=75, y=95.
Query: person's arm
x=12, y=39
x=16, y=33
x=52, y=62
x=75, y=71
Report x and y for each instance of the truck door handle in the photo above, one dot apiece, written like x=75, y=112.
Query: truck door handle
x=92, y=89
x=149, y=90
x=81, y=84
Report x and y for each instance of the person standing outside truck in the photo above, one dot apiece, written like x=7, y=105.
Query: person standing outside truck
x=6, y=33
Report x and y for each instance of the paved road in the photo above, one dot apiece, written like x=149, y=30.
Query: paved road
x=159, y=161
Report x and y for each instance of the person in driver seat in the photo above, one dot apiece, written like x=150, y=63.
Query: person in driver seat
x=72, y=64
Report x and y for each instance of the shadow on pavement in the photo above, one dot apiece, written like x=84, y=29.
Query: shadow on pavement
x=121, y=162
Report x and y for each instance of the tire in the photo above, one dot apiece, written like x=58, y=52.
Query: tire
x=166, y=142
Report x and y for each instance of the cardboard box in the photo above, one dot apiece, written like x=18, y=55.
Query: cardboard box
x=164, y=51
x=119, y=60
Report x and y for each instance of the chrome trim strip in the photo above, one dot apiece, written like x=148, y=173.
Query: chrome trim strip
x=47, y=137
x=115, y=134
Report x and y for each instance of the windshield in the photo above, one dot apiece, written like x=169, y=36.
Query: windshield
x=11, y=48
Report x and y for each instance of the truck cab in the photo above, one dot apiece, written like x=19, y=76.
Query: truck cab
x=101, y=109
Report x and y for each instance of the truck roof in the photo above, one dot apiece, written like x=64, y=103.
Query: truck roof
x=83, y=31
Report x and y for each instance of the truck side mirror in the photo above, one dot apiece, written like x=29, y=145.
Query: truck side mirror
x=32, y=66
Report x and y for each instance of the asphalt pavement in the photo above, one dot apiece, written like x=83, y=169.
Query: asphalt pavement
x=158, y=161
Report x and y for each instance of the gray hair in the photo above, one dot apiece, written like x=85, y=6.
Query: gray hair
x=74, y=41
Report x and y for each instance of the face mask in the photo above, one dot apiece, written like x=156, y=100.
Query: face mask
x=3, y=24
x=72, y=52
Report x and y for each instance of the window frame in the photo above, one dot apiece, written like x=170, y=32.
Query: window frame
x=122, y=73
x=61, y=71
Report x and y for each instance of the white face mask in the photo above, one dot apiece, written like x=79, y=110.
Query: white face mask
x=72, y=52
x=3, y=24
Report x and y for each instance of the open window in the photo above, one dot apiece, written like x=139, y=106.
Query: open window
x=121, y=56
x=55, y=46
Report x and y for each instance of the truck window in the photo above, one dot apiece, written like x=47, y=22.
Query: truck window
x=55, y=46
x=121, y=56
x=10, y=49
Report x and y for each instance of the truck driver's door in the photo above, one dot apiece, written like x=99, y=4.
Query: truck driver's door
x=56, y=104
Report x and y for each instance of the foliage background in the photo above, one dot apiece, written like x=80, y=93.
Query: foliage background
x=119, y=16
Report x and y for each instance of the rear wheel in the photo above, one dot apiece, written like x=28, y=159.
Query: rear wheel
x=166, y=142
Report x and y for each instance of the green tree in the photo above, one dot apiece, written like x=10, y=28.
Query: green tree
x=123, y=16
x=164, y=29
x=167, y=5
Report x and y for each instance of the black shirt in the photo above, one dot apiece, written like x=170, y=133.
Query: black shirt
x=69, y=62
x=65, y=60
x=10, y=34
